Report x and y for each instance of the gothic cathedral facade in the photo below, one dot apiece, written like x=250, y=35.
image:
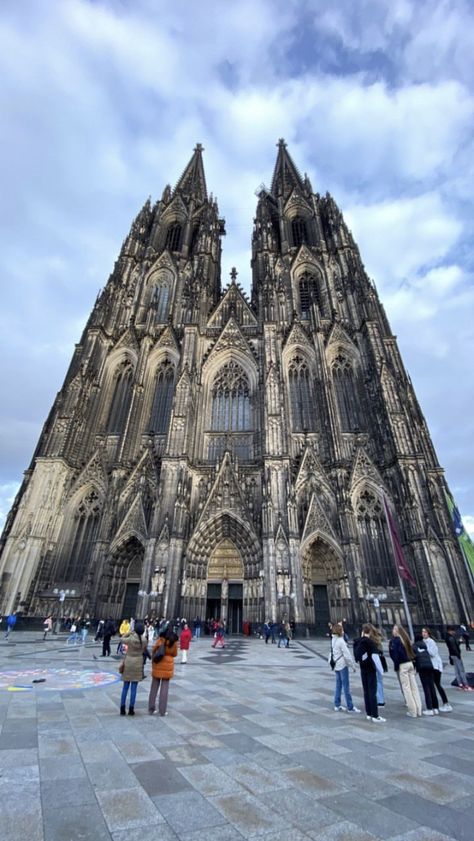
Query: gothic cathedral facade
x=211, y=454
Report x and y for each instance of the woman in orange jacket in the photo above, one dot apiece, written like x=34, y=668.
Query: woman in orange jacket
x=163, y=670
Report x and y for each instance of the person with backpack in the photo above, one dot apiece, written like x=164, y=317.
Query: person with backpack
x=455, y=659
x=403, y=656
x=367, y=656
x=424, y=667
x=340, y=660
x=437, y=669
x=162, y=669
x=131, y=667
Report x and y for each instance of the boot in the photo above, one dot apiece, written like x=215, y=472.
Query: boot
x=131, y=710
x=123, y=710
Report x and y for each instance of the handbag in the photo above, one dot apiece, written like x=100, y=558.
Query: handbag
x=121, y=667
x=383, y=660
x=332, y=661
x=159, y=653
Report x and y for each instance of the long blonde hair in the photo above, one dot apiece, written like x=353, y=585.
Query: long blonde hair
x=405, y=640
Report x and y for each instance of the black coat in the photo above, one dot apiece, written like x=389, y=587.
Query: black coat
x=363, y=651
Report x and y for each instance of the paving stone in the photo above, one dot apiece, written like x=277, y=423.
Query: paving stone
x=160, y=777
x=439, y=789
x=373, y=818
x=128, y=809
x=61, y=768
x=423, y=833
x=453, y=762
x=21, y=811
x=441, y=818
x=248, y=814
x=343, y=831
x=189, y=811
x=211, y=780
x=71, y=792
x=17, y=739
x=71, y=822
x=108, y=775
x=297, y=807
x=225, y=832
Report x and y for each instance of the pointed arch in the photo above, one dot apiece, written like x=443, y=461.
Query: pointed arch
x=122, y=382
x=163, y=397
x=231, y=408
x=374, y=538
x=224, y=526
x=346, y=380
x=300, y=394
x=79, y=534
x=308, y=293
x=299, y=231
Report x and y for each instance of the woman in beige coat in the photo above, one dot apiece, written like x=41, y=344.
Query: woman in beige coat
x=132, y=670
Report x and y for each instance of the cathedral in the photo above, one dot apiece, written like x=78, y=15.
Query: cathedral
x=221, y=455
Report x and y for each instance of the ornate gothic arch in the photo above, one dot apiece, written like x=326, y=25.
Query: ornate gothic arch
x=222, y=526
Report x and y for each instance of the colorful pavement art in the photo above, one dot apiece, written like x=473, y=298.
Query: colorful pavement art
x=54, y=680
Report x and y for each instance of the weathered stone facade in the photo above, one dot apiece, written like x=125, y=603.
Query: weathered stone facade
x=211, y=455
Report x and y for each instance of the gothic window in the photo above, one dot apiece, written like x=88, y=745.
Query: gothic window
x=375, y=541
x=194, y=238
x=301, y=404
x=121, y=399
x=347, y=398
x=161, y=297
x=298, y=231
x=163, y=399
x=231, y=400
x=173, y=237
x=308, y=293
x=84, y=532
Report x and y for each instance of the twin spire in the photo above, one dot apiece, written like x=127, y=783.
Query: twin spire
x=285, y=175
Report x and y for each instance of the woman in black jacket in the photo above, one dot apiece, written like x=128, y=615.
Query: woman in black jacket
x=366, y=655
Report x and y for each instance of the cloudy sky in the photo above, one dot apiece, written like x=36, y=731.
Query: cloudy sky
x=102, y=102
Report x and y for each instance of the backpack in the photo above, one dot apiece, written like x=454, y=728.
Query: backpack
x=422, y=656
x=159, y=653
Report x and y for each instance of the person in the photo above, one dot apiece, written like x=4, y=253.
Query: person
x=163, y=671
x=402, y=654
x=85, y=625
x=437, y=669
x=11, y=622
x=73, y=636
x=267, y=631
x=343, y=662
x=48, y=625
x=464, y=635
x=455, y=658
x=219, y=636
x=132, y=671
x=99, y=633
x=424, y=667
x=125, y=628
x=184, y=642
x=368, y=658
x=109, y=631
x=197, y=627
x=272, y=630
x=376, y=636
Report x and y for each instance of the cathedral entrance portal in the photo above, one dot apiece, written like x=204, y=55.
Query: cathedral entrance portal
x=325, y=585
x=125, y=567
x=225, y=575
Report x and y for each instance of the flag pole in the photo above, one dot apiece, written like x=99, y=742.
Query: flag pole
x=400, y=579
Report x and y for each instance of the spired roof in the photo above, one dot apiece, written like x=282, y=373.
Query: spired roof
x=285, y=176
x=193, y=180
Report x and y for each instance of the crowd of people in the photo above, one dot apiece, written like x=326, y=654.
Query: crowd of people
x=411, y=659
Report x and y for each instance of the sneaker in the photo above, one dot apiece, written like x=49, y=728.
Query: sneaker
x=446, y=708
x=151, y=712
x=468, y=688
x=379, y=719
x=428, y=712
x=436, y=712
x=411, y=715
x=369, y=717
x=354, y=710
x=338, y=709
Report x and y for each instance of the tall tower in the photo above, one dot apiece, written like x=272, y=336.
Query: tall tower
x=210, y=455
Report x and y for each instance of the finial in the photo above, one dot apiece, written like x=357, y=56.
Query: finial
x=198, y=148
x=281, y=143
x=233, y=274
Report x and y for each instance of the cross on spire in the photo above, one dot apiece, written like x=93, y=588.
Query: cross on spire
x=233, y=274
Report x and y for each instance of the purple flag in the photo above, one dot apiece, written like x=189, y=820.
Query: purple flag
x=401, y=564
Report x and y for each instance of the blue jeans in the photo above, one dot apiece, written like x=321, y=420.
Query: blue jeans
x=133, y=692
x=342, y=683
x=380, y=695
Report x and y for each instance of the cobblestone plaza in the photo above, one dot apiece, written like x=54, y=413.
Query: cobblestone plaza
x=251, y=748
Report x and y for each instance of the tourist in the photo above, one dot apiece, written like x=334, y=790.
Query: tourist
x=343, y=661
x=162, y=669
x=437, y=669
x=464, y=635
x=184, y=642
x=73, y=635
x=368, y=658
x=376, y=636
x=124, y=629
x=197, y=627
x=11, y=622
x=99, y=633
x=85, y=625
x=47, y=625
x=424, y=667
x=403, y=656
x=109, y=631
x=219, y=636
x=131, y=667
x=455, y=659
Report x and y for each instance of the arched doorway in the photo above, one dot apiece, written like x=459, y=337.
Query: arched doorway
x=120, y=597
x=326, y=588
x=225, y=574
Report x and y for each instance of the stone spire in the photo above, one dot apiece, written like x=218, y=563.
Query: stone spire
x=193, y=181
x=285, y=175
